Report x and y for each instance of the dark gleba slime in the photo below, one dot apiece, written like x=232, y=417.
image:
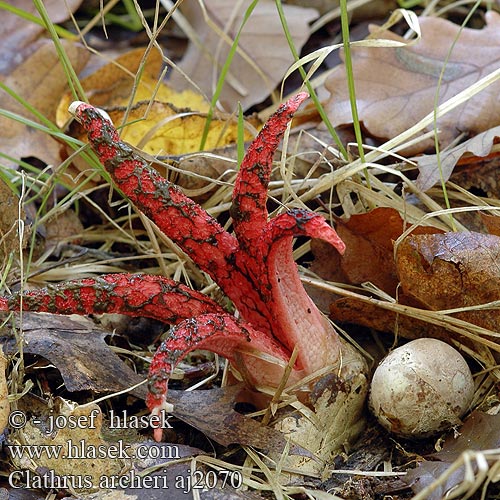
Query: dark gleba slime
x=254, y=267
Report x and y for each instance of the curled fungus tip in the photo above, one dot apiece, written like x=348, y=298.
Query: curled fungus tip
x=165, y=407
x=74, y=106
x=73, y=109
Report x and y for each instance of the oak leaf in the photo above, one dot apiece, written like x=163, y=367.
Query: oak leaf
x=263, y=57
x=18, y=37
x=40, y=80
x=369, y=254
x=396, y=87
x=445, y=271
x=452, y=270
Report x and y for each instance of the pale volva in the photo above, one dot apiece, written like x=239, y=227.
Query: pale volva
x=421, y=388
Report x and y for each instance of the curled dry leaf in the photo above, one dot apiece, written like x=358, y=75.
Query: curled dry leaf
x=429, y=172
x=371, y=234
x=212, y=412
x=437, y=272
x=255, y=70
x=396, y=87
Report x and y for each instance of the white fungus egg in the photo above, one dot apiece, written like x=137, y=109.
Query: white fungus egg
x=421, y=388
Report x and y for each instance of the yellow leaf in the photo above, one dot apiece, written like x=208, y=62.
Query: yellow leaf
x=113, y=84
x=169, y=131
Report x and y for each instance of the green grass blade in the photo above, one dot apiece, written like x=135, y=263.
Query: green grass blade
x=344, y=20
x=436, y=105
x=73, y=80
x=310, y=89
x=224, y=71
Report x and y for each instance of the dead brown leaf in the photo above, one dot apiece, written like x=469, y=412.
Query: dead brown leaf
x=69, y=343
x=491, y=222
x=480, y=432
x=212, y=412
x=369, y=255
x=370, y=315
x=40, y=80
x=452, y=270
x=369, y=241
x=396, y=87
x=18, y=36
x=429, y=173
x=65, y=227
x=264, y=54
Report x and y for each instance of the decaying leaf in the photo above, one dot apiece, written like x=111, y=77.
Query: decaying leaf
x=492, y=223
x=369, y=242
x=115, y=85
x=481, y=431
x=436, y=272
x=40, y=80
x=18, y=36
x=452, y=270
x=370, y=315
x=69, y=344
x=396, y=87
x=64, y=227
x=429, y=173
x=256, y=70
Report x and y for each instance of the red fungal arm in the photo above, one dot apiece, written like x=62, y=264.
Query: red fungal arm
x=248, y=211
x=179, y=217
x=131, y=294
x=224, y=335
x=297, y=321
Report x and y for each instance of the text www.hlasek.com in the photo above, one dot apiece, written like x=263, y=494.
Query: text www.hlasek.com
x=82, y=449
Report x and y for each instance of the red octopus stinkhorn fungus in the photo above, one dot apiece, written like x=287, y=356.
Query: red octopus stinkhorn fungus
x=254, y=267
